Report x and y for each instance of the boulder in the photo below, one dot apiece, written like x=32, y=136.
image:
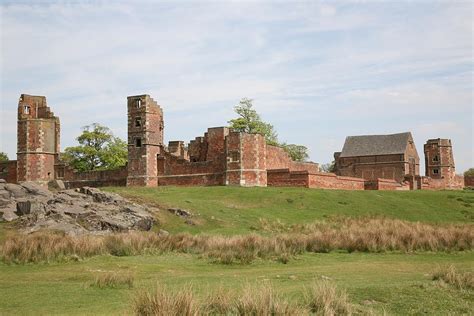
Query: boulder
x=4, y=194
x=8, y=213
x=100, y=196
x=56, y=185
x=25, y=207
x=4, y=202
x=35, y=188
x=3, y=181
x=180, y=212
x=16, y=190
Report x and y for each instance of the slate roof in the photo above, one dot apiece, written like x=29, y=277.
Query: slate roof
x=369, y=145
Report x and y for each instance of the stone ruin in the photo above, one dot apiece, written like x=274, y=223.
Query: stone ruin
x=223, y=157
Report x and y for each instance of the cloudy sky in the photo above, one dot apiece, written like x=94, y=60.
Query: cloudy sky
x=317, y=70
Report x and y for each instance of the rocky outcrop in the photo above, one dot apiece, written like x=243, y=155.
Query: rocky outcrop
x=78, y=211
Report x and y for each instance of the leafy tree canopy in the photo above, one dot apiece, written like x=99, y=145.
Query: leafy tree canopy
x=98, y=149
x=329, y=167
x=3, y=157
x=249, y=121
x=469, y=172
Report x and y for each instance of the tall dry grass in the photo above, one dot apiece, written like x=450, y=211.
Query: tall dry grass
x=364, y=235
x=165, y=302
x=113, y=279
x=449, y=275
x=260, y=300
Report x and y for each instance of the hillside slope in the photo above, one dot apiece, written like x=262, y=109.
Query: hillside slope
x=232, y=210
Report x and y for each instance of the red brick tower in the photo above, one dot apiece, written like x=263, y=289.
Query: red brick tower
x=38, y=139
x=246, y=159
x=145, y=140
x=439, y=160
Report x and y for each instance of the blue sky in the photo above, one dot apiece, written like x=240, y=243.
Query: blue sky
x=317, y=70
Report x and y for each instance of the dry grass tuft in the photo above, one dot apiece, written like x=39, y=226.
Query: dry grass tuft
x=323, y=298
x=113, y=280
x=165, y=302
x=364, y=235
x=261, y=300
x=449, y=275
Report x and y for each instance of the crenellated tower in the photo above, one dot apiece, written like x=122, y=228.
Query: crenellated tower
x=145, y=140
x=38, y=133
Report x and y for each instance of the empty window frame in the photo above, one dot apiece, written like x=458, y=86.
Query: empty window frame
x=436, y=158
x=26, y=109
x=138, y=103
x=435, y=171
x=138, y=122
x=138, y=142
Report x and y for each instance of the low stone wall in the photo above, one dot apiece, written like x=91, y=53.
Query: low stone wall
x=332, y=181
x=203, y=179
x=386, y=185
x=457, y=183
x=8, y=171
x=320, y=180
x=73, y=179
x=287, y=178
x=469, y=181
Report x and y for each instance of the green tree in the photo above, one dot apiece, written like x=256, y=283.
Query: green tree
x=296, y=152
x=249, y=121
x=98, y=149
x=329, y=167
x=3, y=157
x=469, y=172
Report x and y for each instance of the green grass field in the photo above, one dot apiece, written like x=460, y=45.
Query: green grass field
x=394, y=283
x=235, y=210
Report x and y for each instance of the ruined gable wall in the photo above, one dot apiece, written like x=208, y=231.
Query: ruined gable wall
x=206, y=165
x=277, y=158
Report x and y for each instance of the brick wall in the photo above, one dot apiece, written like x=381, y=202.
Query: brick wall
x=74, y=179
x=469, y=181
x=277, y=158
x=8, y=171
x=386, y=185
x=331, y=181
x=320, y=180
x=455, y=183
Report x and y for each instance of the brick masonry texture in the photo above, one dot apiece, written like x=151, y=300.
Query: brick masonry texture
x=225, y=157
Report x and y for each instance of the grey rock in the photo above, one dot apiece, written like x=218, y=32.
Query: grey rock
x=163, y=232
x=4, y=194
x=100, y=196
x=3, y=181
x=4, y=202
x=180, y=212
x=8, y=213
x=56, y=185
x=16, y=190
x=35, y=189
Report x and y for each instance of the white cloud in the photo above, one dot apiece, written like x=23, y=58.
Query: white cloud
x=317, y=70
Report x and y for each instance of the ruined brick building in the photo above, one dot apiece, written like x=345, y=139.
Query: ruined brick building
x=386, y=161
x=223, y=157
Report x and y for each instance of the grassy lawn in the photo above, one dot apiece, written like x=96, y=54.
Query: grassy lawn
x=396, y=283
x=233, y=210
